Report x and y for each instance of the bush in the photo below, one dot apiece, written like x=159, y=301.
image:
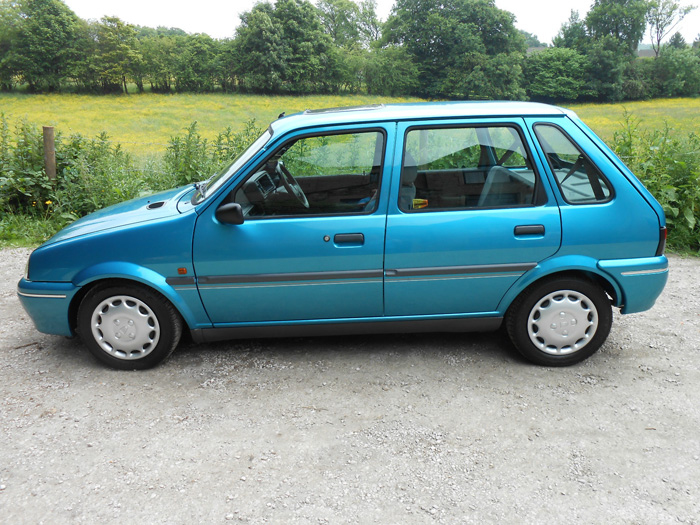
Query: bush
x=556, y=73
x=669, y=166
x=190, y=158
x=90, y=174
x=676, y=73
x=94, y=173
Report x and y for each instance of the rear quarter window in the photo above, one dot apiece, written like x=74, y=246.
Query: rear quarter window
x=579, y=179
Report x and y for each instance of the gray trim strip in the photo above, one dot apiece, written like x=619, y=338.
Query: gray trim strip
x=180, y=281
x=452, y=270
x=286, y=277
x=352, y=274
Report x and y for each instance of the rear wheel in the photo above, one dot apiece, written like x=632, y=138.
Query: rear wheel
x=128, y=327
x=560, y=321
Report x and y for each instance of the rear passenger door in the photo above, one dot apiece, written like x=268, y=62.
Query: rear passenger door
x=469, y=213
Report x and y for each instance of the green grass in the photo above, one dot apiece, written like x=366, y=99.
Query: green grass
x=143, y=123
x=681, y=114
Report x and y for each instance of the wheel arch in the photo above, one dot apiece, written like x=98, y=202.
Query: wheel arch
x=127, y=274
x=569, y=266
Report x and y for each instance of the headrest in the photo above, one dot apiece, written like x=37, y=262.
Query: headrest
x=409, y=173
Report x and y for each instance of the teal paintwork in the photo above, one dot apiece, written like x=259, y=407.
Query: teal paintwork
x=451, y=264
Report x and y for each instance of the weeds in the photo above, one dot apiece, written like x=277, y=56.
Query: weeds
x=669, y=166
x=193, y=158
x=94, y=173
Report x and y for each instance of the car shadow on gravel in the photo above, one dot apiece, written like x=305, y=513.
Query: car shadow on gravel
x=492, y=347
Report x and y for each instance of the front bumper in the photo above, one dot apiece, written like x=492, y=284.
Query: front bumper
x=640, y=281
x=48, y=304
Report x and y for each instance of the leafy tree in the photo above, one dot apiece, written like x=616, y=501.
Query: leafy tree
x=340, y=20
x=260, y=46
x=390, y=71
x=85, y=71
x=663, y=17
x=677, y=41
x=487, y=77
x=284, y=49
x=195, y=65
x=369, y=25
x=307, y=47
x=676, y=73
x=531, y=40
x=351, y=66
x=557, y=73
x=118, y=57
x=624, y=20
x=607, y=59
x=637, y=79
x=149, y=32
x=10, y=21
x=573, y=33
x=42, y=46
x=452, y=44
x=159, y=61
x=226, y=64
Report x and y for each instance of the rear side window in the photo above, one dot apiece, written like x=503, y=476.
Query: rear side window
x=579, y=180
x=466, y=167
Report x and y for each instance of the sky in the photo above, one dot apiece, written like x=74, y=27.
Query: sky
x=219, y=18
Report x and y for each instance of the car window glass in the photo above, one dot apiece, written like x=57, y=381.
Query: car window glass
x=465, y=167
x=579, y=180
x=321, y=174
x=220, y=178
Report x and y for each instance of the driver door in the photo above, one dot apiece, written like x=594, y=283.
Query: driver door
x=290, y=261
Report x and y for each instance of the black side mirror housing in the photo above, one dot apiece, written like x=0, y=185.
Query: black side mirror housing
x=230, y=213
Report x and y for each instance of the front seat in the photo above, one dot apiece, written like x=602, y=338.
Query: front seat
x=495, y=188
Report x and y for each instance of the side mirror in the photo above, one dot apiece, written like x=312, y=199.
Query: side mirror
x=230, y=213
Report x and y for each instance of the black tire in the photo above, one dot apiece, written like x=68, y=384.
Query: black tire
x=560, y=321
x=144, y=328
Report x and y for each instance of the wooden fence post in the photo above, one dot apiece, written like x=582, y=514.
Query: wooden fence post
x=49, y=153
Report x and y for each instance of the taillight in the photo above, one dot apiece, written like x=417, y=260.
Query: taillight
x=662, y=241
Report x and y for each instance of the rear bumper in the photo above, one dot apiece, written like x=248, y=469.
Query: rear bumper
x=48, y=304
x=639, y=281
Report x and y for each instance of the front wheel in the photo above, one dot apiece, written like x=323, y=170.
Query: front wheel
x=128, y=327
x=560, y=321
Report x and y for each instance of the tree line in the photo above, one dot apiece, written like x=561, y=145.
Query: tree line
x=462, y=49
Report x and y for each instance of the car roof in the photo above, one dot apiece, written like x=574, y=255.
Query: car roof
x=413, y=111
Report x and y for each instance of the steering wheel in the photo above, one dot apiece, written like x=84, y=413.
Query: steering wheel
x=291, y=184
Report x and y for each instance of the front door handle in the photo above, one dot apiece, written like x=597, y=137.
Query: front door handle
x=349, y=238
x=530, y=229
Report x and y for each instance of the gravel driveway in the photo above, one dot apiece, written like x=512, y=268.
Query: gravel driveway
x=377, y=429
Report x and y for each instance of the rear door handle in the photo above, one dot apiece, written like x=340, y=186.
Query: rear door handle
x=531, y=229
x=349, y=238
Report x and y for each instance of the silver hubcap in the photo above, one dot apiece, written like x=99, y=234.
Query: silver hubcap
x=125, y=327
x=562, y=322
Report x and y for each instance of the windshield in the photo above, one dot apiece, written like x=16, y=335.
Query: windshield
x=209, y=186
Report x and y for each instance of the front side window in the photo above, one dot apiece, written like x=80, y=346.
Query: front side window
x=316, y=175
x=579, y=180
x=466, y=167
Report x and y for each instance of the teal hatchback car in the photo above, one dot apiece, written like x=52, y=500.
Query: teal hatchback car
x=428, y=217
